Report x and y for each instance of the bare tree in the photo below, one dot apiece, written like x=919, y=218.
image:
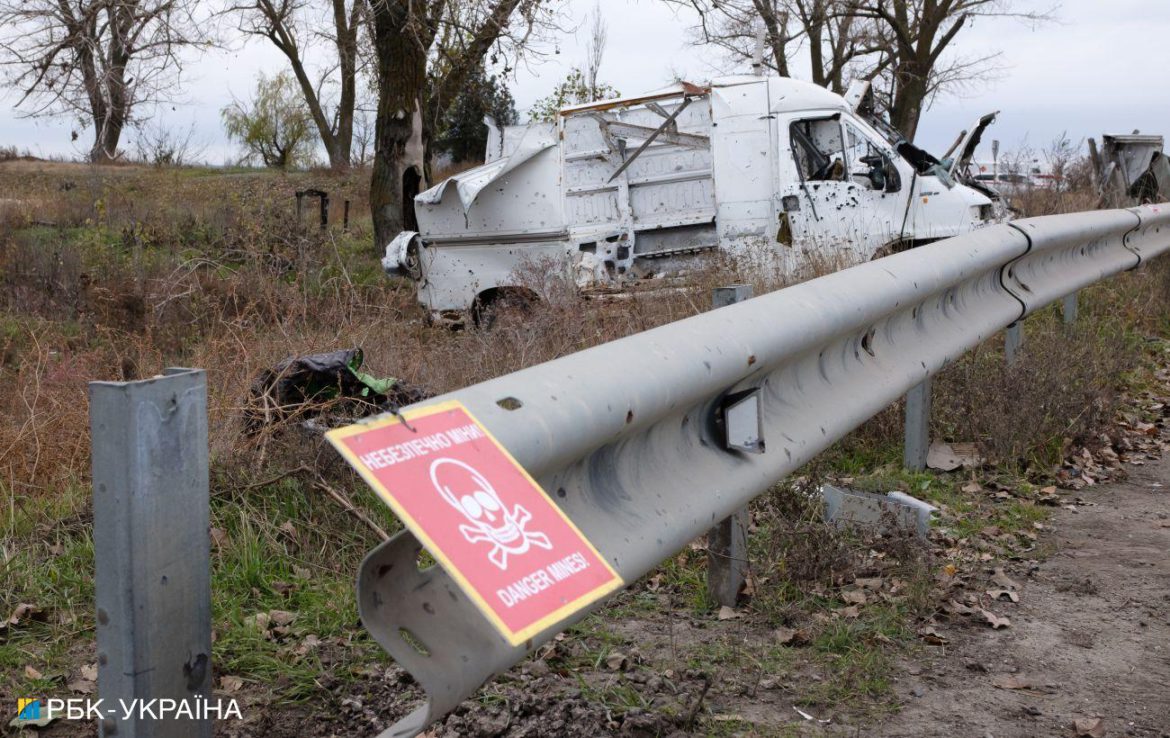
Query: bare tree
x=166, y=146
x=838, y=44
x=731, y=25
x=583, y=83
x=363, y=137
x=595, y=46
x=291, y=25
x=915, y=34
x=425, y=50
x=901, y=44
x=95, y=59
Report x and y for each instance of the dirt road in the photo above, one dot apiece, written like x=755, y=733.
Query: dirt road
x=1090, y=636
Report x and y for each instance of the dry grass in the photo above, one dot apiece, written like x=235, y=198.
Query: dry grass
x=143, y=268
x=1063, y=390
x=1035, y=201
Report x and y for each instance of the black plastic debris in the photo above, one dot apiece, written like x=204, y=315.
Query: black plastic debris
x=330, y=384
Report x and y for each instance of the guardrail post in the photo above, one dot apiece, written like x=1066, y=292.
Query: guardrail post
x=1013, y=342
x=152, y=550
x=1069, y=308
x=727, y=556
x=917, y=439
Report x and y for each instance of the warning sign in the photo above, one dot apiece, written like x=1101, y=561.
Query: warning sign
x=490, y=525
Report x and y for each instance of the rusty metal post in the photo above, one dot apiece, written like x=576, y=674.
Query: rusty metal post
x=1013, y=342
x=1068, y=308
x=152, y=553
x=917, y=439
x=345, y=221
x=1095, y=158
x=727, y=554
x=324, y=210
x=300, y=205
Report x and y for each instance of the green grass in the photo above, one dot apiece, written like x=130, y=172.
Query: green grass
x=53, y=571
x=730, y=725
x=858, y=657
x=617, y=695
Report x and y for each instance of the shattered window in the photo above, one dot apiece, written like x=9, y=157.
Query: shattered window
x=818, y=148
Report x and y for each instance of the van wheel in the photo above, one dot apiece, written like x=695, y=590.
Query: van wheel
x=412, y=264
x=890, y=249
x=491, y=305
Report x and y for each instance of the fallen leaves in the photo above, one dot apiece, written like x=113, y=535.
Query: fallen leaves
x=954, y=607
x=275, y=624
x=1089, y=727
x=995, y=621
x=1011, y=681
x=24, y=613
x=231, y=684
x=1000, y=577
x=932, y=636
x=86, y=681
x=854, y=597
x=310, y=643
x=1003, y=594
x=729, y=613
x=290, y=531
x=281, y=617
x=1048, y=496
x=951, y=456
x=792, y=636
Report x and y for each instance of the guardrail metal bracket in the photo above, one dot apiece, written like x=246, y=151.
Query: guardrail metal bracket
x=742, y=421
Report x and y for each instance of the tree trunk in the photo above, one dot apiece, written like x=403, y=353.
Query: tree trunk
x=776, y=28
x=106, y=136
x=398, y=144
x=337, y=141
x=109, y=117
x=910, y=89
x=816, y=52
x=347, y=48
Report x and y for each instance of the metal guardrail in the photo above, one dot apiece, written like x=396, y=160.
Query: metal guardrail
x=624, y=435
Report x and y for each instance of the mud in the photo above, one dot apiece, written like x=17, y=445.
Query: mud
x=1090, y=637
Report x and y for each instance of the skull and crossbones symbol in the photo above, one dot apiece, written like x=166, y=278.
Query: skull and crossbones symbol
x=470, y=493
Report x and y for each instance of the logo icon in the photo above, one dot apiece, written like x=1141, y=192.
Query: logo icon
x=470, y=493
x=28, y=708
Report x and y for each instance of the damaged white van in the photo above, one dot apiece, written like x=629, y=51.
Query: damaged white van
x=631, y=189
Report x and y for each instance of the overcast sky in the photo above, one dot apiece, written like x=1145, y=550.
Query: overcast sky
x=1100, y=67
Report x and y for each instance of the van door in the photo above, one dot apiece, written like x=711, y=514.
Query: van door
x=815, y=224
x=843, y=200
x=881, y=198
